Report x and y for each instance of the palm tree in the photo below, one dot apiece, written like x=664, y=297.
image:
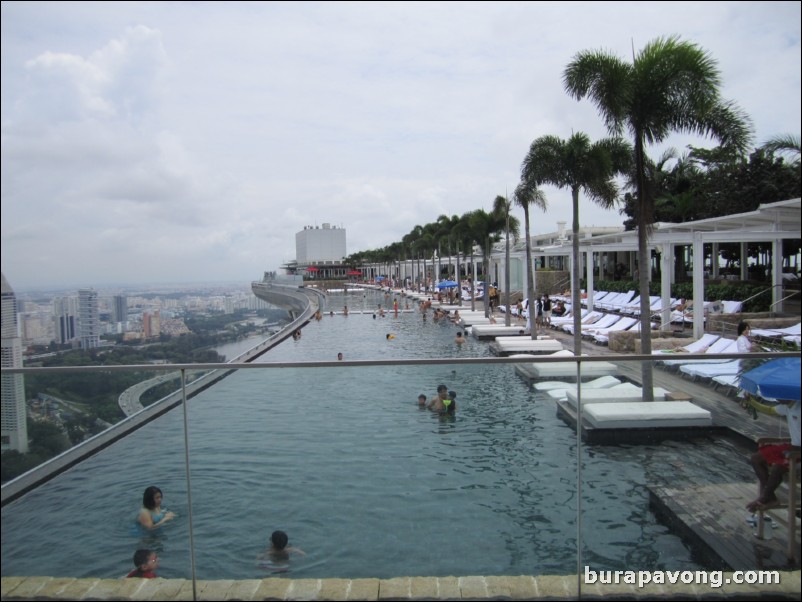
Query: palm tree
x=527, y=193
x=784, y=144
x=481, y=224
x=670, y=86
x=501, y=208
x=577, y=164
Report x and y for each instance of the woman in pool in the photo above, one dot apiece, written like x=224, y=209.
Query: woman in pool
x=152, y=515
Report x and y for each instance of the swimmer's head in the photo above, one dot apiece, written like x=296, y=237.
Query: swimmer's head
x=149, y=497
x=389, y=336
x=142, y=557
x=279, y=539
x=442, y=389
x=452, y=395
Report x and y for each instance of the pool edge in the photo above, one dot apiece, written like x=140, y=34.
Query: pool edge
x=520, y=587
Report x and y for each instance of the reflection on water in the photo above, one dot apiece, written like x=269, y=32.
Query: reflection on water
x=364, y=481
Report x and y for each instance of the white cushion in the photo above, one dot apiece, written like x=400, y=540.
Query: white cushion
x=646, y=414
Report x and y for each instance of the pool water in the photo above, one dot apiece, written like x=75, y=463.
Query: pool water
x=362, y=480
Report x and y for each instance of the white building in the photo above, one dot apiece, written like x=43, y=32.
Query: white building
x=320, y=245
x=12, y=387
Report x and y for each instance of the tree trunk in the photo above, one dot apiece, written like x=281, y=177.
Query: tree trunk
x=644, y=267
x=576, y=299
x=530, y=273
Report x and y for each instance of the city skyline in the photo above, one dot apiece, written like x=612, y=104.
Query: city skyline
x=174, y=142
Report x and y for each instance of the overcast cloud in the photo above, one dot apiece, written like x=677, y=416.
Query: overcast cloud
x=189, y=142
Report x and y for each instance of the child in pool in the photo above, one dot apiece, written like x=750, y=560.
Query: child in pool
x=146, y=563
x=277, y=556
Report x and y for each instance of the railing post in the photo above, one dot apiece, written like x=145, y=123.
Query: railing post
x=189, y=481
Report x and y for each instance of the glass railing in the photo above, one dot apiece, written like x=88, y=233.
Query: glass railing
x=368, y=483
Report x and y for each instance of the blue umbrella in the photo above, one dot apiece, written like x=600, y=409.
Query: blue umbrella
x=447, y=284
x=776, y=379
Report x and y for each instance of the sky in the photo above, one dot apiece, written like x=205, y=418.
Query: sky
x=151, y=142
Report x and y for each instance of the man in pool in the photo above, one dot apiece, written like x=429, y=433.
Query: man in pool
x=422, y=400
x=275, y=558
x=436, y=404
x=459, y=339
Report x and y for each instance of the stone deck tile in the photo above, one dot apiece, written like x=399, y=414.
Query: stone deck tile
x=78, y=589
x=394, y=588
x=551, y=586
x=273, y=588
x=364, y=589
x=25, y=587
x=423, y=588
x=163, y=589
x=303, y=589
x=243, y=590
x=334, y=589
x=52, y=588
x=515, y=587
x=113, y=589
x=472, y=588
x=214, y=590
x=448, y=588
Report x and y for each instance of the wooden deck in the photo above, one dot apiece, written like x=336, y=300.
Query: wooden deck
x=713, y=519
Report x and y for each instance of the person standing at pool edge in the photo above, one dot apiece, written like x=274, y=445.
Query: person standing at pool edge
x=151, y=515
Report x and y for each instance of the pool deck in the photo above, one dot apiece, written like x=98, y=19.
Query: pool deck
x=399, y=588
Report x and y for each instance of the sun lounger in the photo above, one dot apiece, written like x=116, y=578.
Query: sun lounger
x=602, y=322
x=646, y=414
x=722, y=345
x=697, y=346
x=562, y=370
x=791, y=331
x=617, y=304
x=621, y=324
x=699, y=370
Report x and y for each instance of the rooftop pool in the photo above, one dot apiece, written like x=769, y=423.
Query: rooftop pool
x=362, y=479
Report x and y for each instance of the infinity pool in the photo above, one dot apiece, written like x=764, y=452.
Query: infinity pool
x=366, y=483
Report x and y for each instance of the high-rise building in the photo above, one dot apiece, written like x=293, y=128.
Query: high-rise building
x=119, y=310
x=151, y=324
x=88, y=318
x=12, y=386
x=65, y=319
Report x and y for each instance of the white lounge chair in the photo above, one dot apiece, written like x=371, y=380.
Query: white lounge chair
x=700, y=345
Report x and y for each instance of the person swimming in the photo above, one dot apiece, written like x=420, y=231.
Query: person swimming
x=389, y=336
x=276, y=557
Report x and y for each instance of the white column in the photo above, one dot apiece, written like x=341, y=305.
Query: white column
x=589, y=263
x=776, y=275
x=698, y=286
x=666, y=268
